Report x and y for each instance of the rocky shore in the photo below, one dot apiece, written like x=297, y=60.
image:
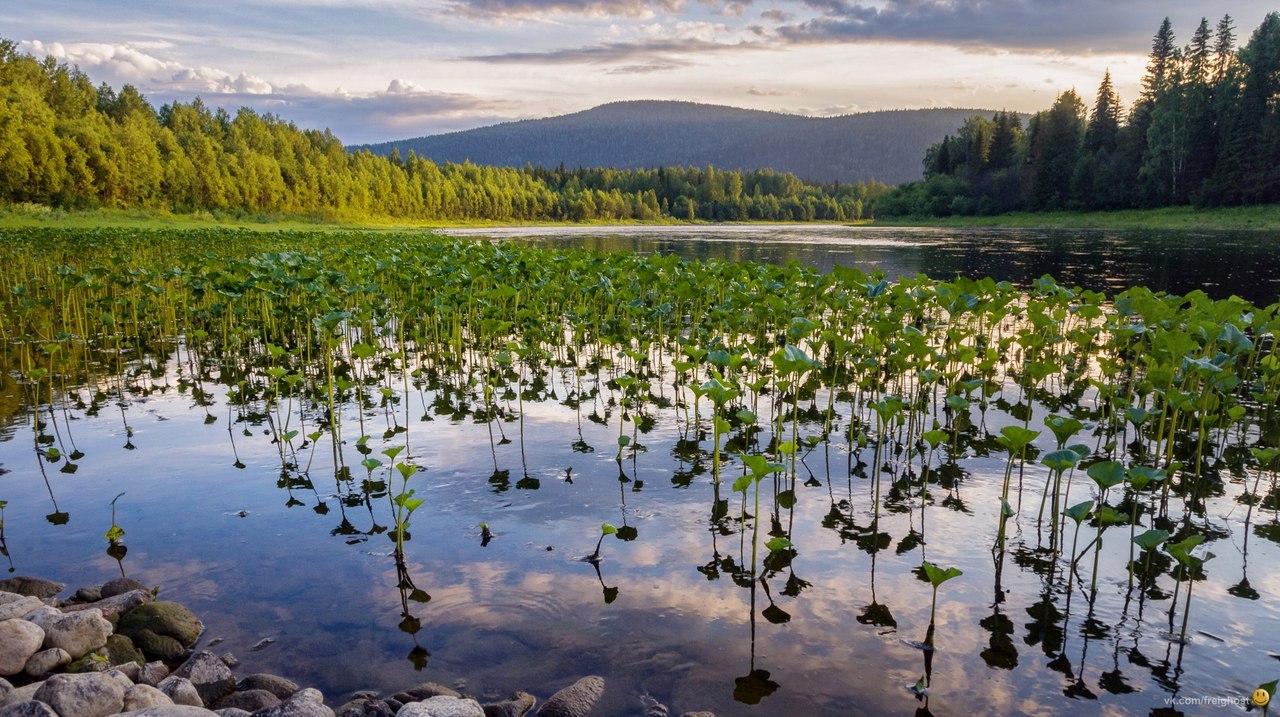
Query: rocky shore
x=114, y=649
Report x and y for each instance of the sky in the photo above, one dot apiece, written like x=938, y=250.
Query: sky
x=376, y=70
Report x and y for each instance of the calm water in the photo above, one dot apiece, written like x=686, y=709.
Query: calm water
x=1219, y=263
x=304, y=560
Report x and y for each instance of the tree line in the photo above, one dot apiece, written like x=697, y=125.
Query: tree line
x=66, y=143
x=1204, y=131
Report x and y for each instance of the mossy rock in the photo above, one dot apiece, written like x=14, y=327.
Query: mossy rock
x=168, y=619
x=121, y=650
x=95, y=661
x=158, y=647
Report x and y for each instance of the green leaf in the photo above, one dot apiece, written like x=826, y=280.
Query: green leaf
x=778, y=543
x=1079, y=511
x=787, y=499
x=624, y=441
x=1060, y=461
x=1107, y=474
x=1141, y=476
x=937, y=575
x=115, y=533
x=1005, y=509
x=742, y=483
x=371, y=464
x=1016, y=437
x=607, y=529
x=1151, y=538
x=934, y=437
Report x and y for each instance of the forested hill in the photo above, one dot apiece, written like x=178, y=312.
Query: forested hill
x=886, y=146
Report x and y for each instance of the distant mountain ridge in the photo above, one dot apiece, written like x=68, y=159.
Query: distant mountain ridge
x=887, y=146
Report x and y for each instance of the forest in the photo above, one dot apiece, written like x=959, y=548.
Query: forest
x=65, y=142
x=1205, y=131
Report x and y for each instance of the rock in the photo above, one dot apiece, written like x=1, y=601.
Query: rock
x=20, y=607
x=46, y=661
x=35, y=587
x=170, y=711
x=278, y=686
x=181, y=691
x=24, y=693
x=28, y=708
x=44, y=616
x=424, y=691
x=162, y=618
x=653, y=708
x=518, y=705
x=79, y=633
x=152, y=673
x=699, y=714
x=303, y=703
x=248, y=700
x=229, y=659
x=232, y=712
x=130, y=670
x=442, y=706
x=365, y=707
x=89, y=695
x=140, y=697
x=19, y=640
x=120, y=586
x=115, y=606
x=89, y=594
x=576, y=700
x=92, y=662
x=5, y=688
x=160, y=647
x=209, y=674
x=121, y=650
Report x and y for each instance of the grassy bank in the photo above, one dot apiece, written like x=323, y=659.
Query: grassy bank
x=1265, y=217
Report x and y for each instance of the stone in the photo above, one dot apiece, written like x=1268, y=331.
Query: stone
x=229, y=660
x=303, y=703
x=248, y=700
x=152, y=673
x=699, y=713
x=5, y=688
x=209, y=674
x=165, y=618
x=139, y=697
x=79, y=633
x=365, y=707
x=424, y=691
x=130, y=670
x=278, y=686
x=232, y=712
x=46, y=661
x=653, y=708
x=44, y=616
x=88, y=695
x=28, y=708
x=89, y=594
x=24, y=693
x=442, y=706
x=121, y=650
x=120, y=586
x=21, y=607
x=576, y=700
x=35, y=587
x=115, y=606
x=160, y=647
x=19, y=640
x=170, y=711
x=518, y=705
x=181, y=691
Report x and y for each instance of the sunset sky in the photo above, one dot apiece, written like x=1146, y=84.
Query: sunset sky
x=375, y=70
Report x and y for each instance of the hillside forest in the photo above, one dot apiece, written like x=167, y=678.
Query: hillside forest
x=1204, y=131
x=65, y=142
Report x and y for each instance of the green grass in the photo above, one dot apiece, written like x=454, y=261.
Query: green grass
x=1266, y=217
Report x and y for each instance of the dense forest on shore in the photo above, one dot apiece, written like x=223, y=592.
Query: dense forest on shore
x=1205, y=131
x=66, y=143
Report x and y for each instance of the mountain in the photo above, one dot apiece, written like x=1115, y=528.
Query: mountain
x=887, y=146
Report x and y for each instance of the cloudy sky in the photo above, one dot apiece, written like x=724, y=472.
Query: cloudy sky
x=375, y=70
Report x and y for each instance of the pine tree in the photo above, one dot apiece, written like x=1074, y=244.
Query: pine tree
x=1104, y=121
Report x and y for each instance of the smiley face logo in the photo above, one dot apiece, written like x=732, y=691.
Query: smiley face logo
x=1261, y=697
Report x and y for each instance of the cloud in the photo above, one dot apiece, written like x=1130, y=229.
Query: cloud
x=649, y=67
x=402, y=108
x=532, y=8
x=650, y=51
x=1058, y=25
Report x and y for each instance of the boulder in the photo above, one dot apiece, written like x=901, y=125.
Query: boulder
x=170, y=711
x=576, y=700
x=181, y=691
x=79, y=633
x=518, y=705
x=19, y=640
x=46, y=661
x=120, y=586
x=121, y=650
x=88, y=695
x=35, y=587
x=152, y=673
x=22, y=694
x=232, y=712
x=130, y=670
x=20, y=607
x=303, y=703
x=44, y=616
x=29, y=708
x=442, y=706
x=115, y=606
x=365, y=707
x=165, y=618
x=424, y=691
x=278, y=686
x=160, y=647
x=139, y=697
x=210, y=675
x=248, y=700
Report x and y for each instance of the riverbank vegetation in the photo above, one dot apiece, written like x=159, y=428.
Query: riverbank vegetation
x=69, y=144
x=1205, y=131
